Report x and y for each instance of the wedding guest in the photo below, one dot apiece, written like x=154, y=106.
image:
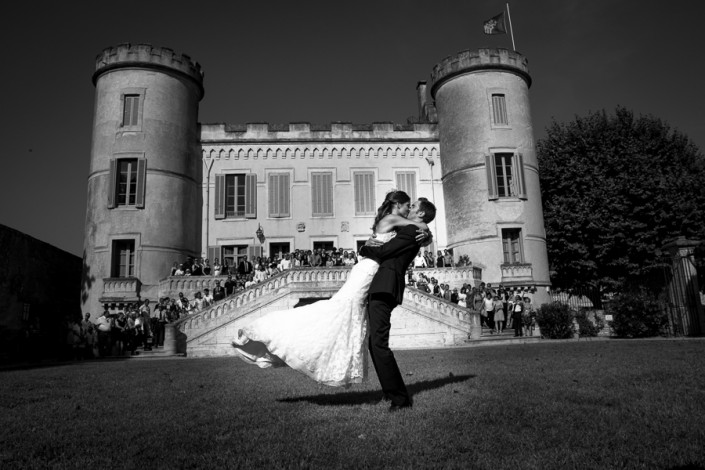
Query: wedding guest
x=206, y=267
x=488, y=309
x=217, y=268
x=218, y=292
x=498, y=315
x=207, y=298
x=229, y=286
x=440, y=261
x=517, y=314
x=174, y=268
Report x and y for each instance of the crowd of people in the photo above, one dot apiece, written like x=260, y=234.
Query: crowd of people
x=139, y=326
x=499, y=308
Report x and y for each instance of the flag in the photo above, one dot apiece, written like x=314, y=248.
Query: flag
x=495, y=25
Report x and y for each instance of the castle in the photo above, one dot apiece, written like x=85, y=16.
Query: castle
x=163, y=186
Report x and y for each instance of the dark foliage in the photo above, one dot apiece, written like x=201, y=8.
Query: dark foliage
x=556, y=320
x=636, y=315
x=588, y=327
x=614, y=189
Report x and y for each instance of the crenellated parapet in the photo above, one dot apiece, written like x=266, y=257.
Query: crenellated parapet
x=148, y=56
x=262, y=132
x=477, y=60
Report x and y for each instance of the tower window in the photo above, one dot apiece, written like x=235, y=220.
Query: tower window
x=130, y=111
x=123, y=262
x=511, y=246
x=505, y=175
x=127, y=182
x=499, y=110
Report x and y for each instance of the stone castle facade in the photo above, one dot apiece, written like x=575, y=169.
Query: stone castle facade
x=163, y=186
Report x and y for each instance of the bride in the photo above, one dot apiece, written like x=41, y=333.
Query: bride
x=326, y=340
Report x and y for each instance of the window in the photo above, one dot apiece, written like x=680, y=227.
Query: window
x=279, y=249
x=130, y=110
x=505, y=175
x=127, y=182
x=499, y=110
x=364, y=189
x=324, y=245
x=406, y=181
x=322, y=194
x=123, y=263
x=236, y=196
x=279, y=195
x=232, y=255
x=511, y=245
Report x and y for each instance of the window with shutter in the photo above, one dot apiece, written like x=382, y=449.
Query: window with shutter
x=406, y=181
x=130, y=110
x=123, y=258
x=322, y=194
x=278, y=190
x=364, y=192
x=239, y=195
x=126, y=182
x=505, y=175
x=499, y=110
x=512, y=246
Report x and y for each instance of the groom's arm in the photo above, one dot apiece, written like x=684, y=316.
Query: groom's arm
x=404, y=240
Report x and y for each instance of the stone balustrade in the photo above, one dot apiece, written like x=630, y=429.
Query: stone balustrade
x=284, y=290
x=121, y=289
x=513, y=273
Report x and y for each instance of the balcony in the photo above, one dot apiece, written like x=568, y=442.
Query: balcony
x=516, y=273
x=120, y=290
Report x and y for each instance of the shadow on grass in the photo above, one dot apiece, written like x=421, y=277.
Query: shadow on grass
x=371, y=397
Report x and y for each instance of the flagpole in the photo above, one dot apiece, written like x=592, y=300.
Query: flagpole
x=511, y=30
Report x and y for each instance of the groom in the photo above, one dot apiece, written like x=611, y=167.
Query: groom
x=387, y=291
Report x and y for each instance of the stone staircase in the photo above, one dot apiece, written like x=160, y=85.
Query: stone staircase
x=421, y=321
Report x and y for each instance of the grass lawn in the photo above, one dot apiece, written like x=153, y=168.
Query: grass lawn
x=586, y=404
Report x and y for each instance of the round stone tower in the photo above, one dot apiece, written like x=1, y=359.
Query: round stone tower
x=489, y=167
x=144, y=195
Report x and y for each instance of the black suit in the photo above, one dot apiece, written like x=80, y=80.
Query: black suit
x=386, y=292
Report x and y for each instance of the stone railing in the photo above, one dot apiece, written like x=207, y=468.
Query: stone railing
x=454, y=277
x=516, y=273
x=121, y=289
x=285, y=289
x=316, y=282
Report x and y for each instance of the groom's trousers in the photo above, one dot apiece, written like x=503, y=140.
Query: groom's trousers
x=379, y=312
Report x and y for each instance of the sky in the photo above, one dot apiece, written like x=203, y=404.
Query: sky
x=321, y=61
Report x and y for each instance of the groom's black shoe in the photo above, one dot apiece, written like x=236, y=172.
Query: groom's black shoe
x=394, y=408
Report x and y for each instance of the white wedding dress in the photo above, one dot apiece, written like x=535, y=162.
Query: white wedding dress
x=325, y=340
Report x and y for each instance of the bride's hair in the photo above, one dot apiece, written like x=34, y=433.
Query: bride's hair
x=393, y=197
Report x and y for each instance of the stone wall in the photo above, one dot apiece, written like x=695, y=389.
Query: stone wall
x=39, y=287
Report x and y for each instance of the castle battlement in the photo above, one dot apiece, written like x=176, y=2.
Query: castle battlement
x=306, y=131
x=481, y=59
x=146, y=55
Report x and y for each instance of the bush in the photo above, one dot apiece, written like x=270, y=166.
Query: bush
x=636, y=315
x=556, y=320
x=588, y=327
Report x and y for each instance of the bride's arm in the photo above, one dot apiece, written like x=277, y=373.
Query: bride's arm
x=390, y=221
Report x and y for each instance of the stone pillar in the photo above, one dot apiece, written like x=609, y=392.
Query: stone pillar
x=682, y=288
x=170, y=335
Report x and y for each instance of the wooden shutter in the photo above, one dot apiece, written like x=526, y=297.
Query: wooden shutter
x=278, y=190
x=213, y=253
x=518, y=164
x=322, y=194
x=364, y=189
x=491, y=177
x=112, y=178
x=141, y=182
x=499, y=110
x=254, y=251
x=251, y=195
x=406, y=181
x=219, y=208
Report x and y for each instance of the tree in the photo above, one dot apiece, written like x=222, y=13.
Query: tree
x=614, y=189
